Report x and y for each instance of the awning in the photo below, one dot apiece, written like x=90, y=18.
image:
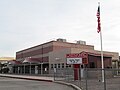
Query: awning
x=32, y=60
x=97, y=54
x=14, y=62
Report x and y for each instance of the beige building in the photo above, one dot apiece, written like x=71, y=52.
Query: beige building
x=4, y=62
x=6, y=59
x=52, y=55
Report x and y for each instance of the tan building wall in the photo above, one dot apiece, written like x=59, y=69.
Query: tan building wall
x=73, y=45
x=44, y=49
x=59, y=57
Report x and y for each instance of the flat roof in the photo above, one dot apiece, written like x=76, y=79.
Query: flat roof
x=51, y=42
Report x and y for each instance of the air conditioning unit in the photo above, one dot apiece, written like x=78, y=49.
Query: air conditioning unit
x=61, y=40
x=81, y=42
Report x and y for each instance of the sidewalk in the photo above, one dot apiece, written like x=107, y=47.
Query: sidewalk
x=29, y=77
x=39, y=78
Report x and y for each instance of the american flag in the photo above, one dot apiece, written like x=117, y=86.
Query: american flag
x=98, y=19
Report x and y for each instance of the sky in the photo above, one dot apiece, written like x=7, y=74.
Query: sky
x=27, y=23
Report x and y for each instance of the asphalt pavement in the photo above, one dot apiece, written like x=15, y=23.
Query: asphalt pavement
x=23, y=84
x=41, y=78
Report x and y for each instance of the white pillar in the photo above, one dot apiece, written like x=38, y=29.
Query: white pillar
x=36, y=69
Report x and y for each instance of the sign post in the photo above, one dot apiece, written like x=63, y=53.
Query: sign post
x=76, y=59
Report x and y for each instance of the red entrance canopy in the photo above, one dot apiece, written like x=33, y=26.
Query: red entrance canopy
x=32, y=60
x=14, y=62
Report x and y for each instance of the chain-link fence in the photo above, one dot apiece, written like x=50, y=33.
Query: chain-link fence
x=90, y=79
x=85, y=78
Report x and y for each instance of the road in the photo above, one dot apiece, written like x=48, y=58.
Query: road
x=21, y=84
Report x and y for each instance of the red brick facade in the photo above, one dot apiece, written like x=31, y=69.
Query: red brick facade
x=42, y=52
x=95, y=61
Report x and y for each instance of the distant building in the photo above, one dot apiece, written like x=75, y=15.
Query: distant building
x=4, y=64
x=6, y=59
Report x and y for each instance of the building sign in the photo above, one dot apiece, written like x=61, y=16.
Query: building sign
x=74, y=60
x=77, y=58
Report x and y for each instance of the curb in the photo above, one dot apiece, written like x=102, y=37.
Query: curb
x=27, y=78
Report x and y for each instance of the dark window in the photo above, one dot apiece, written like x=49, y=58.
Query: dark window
x=92, y=65
x=55, y=65
x=67, y=65
x=62, y=65
x=51, y=65
x=58, y=65
x=81, y=66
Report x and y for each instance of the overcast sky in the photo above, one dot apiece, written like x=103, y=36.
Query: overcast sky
x=27, y=23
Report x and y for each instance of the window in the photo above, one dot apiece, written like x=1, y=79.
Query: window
x=92, y=65
x=51, y=65
x=58, y=65
x=81, y=66
x=55, y=65
x=67, y=65
x=62, y=65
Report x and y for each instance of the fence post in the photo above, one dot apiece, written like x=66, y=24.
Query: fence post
x=54, y=73
x=86, y=74
x=104, y=79
x=79, y=83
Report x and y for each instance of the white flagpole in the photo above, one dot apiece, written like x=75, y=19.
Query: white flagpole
x=102, y=62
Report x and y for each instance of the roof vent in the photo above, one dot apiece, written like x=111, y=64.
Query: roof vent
x=61, y=40
x=81, y=42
